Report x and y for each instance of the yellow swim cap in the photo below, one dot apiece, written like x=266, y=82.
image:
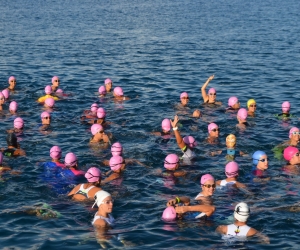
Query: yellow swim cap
x=230, y=140
x=250, y=101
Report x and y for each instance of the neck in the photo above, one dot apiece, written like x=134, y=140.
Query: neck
x=239, y=223
x=231, y=179
x=102, y=213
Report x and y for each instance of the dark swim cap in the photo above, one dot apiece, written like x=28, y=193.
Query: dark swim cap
x=12, y=140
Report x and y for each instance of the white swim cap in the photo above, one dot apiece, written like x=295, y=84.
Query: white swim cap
x=100, y=196
x=241, y=212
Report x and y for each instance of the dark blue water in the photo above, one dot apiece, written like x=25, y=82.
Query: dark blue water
x=154, y=50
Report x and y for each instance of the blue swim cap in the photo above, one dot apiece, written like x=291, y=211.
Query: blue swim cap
x=256, y=156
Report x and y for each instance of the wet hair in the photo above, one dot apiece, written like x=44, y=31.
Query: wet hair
x=12, y=140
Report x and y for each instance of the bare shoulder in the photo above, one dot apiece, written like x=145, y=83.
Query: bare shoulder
x=100, y=223
x=252, y=232
x=222, y=229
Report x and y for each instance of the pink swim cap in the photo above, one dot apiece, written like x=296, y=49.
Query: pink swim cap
x=211, y=90
x=5, y=92
x=50, y=102
x=93, y=174
x=70, y=160
x=116, y=162
x=289, y=152
x=183, y=94
x=48, y=90
x=102, y=90
x=96, y=128
x=13, y=106
x=18, y=123
x=169, y=214
x=205, y=178
x=45, y=114
x=107, y=81
x=166, y=125
x=94, y=107
x=118, y=91
x=55, y=78
x=11, y=78
x=232, y=169
x=232, y=100
x=190, y=141
x=116, y=149
x=211, y=126
x=242, y=114
x=1, y=158
x=171, y=161
x=285, y=106
x=293, y=129
x=59, y=91
x=55, y=152
x=101, y=113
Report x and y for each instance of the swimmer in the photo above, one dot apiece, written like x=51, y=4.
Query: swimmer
x=49, y=103
x=117, y=165
x=172, y=164
x=186, y=144
x=233, y=104
x=260, y=165
x=12, y=81
x=55, y=154
x=166, y=128
x=197, y=114
x=18, y=126
x=101, y=115
x=208, y=186
x=92, y=113
x=102, y=91
x=48, y=91
x=119, y=95
x=292, y=156
x=285, y=115
x=212, y=94
x=71, y=163
x=179, y=207
x=184, y=100
x=87, y=191
x=241, y=116
x=55, y=83
x=13, y=147
x=251, y=105
x=99, y=135
x=2, y=101
x=232, y=173
x=103, y=217
x=13, y=107
x=46, y=120
x=213, y=133
x=6, y=94
x=108, y=85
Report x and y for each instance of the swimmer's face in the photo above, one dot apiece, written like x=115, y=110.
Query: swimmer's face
x=263, y=163
x=295, y=136
x=107, y=205
x=197, y=113
x=184, y=100
x=2, y=100
x=295, y=159
x=12, y=83
x=46, y=120
x=56, y=82
x=212, y=97
x=209, y=188
x=108, y=86
x=214, y=132
x=236, y=106
x=252, y=107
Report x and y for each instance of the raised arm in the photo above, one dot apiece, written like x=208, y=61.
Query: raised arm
x=207, y=209
x=203, y=89
x=179, y=139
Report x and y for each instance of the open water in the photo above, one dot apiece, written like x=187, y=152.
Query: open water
x=154, y=50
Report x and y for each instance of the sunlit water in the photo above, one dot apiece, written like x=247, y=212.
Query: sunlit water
x=154, y=50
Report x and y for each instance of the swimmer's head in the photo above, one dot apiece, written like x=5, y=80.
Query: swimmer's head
x=100, y=196
x=55, y=152
x=2, y=98
x=59, y=91
x=12, y=81
x=241, y=212
x=102, y=90
x=250, y=102
x=1, y=158
x=12, y=140
x=190, y=141
x=55, y=80
x=230, y=141
x=48, y=90
x=242, y=114
x=6, y=93
x=205, y=178
x=50, y=102
x=71, y=160
x=101, y=113
x=18, y=123
x=93, y=174
x=116, y=163
x=184, y=98
x=169, y=214
x=96, y=128
x=13, y=106
x=107, y=81
x=213, y=130
x=256, y=156
x=166, y=125
x=285, y=106
x=94, y=107
x=232, y=169
x=46, y=117
x=197, y=113
x=116, y=149
x=11, y=78
x=171, y=162
x=290, y=152
x=118, y=91
x=233, y=102
x=212, y=91
x=293, y=131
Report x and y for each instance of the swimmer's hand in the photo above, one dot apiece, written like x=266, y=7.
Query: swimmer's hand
x=176, y=120
x=172, y=202
x=211, y=77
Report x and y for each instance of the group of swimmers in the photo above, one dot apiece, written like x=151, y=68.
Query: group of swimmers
x=178, y=207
